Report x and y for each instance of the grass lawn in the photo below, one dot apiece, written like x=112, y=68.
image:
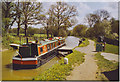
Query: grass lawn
x=84, y=43
x=60, y=70
x=111, y=49
x=104, y=65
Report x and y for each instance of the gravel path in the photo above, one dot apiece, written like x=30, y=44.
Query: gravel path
x=87, y=70
x=110, y=56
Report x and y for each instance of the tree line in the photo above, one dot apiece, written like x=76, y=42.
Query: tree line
x=99, y=23
x=58, y=18
x=56, y=21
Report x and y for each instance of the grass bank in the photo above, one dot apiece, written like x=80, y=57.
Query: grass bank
x=111, y=49
x=84, y=43
x=104, y=65
x=60, y=70
x=13, y=38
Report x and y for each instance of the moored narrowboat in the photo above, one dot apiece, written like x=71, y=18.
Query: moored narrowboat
x=31, y=54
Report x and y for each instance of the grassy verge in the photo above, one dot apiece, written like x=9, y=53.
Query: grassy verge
x=111, y=49
x=104, y=65
x=60, y=70
x=84, y=43
x=13, y=38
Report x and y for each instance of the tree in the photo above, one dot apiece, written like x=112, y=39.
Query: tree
x=31, y=13
x=8, y=15
x=18, y=10
x=102, y=29
x=114, y=26
x=79, y=30
x=46, y=22
x=91, y=19
x=103, y=14
x=62, y=15
x=30, y=31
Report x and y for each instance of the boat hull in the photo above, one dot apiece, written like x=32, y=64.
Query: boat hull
x=32, y=63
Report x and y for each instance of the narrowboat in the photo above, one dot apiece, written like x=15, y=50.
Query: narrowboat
x=31, y=54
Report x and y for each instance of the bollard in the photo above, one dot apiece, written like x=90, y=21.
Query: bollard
x=65, y=60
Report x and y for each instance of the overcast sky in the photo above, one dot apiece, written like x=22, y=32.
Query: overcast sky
x=85, y=8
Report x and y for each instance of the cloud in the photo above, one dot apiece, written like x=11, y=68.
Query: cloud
x=112, y=8
x=83, y=10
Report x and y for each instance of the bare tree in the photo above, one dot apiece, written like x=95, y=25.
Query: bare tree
x=18, y=10
x=62, y=14
x=31, y=13
x=46, y=22
x=97, y=16
x=8, y=15
x=103, y=14
x=91, y=19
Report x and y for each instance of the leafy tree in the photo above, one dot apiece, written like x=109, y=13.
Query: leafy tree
x=90, y=33
x=102, y=29
x=114, y=26
x=62, y=33
x=79, y=30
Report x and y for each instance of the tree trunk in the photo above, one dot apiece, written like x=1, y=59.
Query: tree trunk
x=25, y=29
x=18, y=29
x=47, y=34
x=51, y=35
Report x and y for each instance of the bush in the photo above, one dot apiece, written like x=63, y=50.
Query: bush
x=84, y=43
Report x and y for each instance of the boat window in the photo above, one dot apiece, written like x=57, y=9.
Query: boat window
x=41, y=50
x=48, y=46
x=54, y=44
x=51, y=45
x=58, y=42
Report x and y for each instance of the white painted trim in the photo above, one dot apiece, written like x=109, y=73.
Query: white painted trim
x=29, y=59
x=24, y=59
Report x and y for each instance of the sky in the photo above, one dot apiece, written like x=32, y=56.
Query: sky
x=84, y=8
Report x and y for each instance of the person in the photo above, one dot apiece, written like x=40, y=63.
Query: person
x=104, y=46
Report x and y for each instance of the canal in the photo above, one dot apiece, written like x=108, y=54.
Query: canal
x=27, y=74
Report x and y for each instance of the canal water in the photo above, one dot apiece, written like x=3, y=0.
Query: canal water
x=27, y=74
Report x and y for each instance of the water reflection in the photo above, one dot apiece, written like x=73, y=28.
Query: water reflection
x=72, y=41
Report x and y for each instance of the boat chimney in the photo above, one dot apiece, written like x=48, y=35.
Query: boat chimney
x=27, y=40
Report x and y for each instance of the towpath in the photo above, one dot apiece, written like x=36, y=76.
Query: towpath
x=86, y=70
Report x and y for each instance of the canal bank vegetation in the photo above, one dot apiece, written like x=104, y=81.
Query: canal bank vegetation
x=13, y=38
x=84, y=43
x=109, y=48
x=60, y=70
x=103, y=66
